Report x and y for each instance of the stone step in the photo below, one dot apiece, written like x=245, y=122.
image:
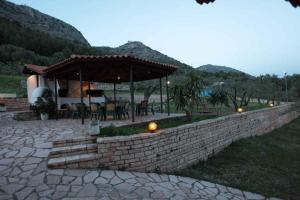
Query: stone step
x=74, y=161
x=75, y=141
x=73, y=150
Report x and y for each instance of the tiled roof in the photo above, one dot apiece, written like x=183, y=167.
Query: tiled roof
x=33, y=69
x=124, y=57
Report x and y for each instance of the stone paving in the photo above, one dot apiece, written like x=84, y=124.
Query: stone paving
x=24, y=147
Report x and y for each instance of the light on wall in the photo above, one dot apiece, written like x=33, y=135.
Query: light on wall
x=240, y=110
x=152, y=127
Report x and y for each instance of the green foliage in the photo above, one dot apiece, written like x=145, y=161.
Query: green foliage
x=45, y=104
x=186, y=96
x=12, y=84
x=142, y=127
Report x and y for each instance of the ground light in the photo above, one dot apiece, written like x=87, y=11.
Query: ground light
x=152, y=127
x=240, y=110
x=271, y=105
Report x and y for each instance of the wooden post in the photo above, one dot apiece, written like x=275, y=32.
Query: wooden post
x=55, y=96
x=115, y=100
x=90, y=96
x=132, y=93
x=81, y=96
x=161, y=100
x=168, y=101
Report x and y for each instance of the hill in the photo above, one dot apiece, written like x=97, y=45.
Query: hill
x=215, y=68
x=33, y=19
x=140, y=50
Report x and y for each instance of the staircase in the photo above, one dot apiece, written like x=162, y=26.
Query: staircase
x=74, y=153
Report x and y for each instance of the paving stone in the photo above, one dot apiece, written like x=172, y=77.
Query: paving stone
x=88, y=190
x=6, y=161
x=28, y=167
x=53, y=179
x=32, y=160
x=22, y=194
x=142, y=192
x=207, y=184
x=67, y=179
x=59, y=195
x=100, y=180
x=25, y=151
x=37, y=180
x=107, y=174
x=158, y=195
x=90, y=177
x=74, y=172
x=63, y=188
x=11, y=188
x=77, y=181
x=115, y=180
x=32, y=196
x=76, y=188
x=41, y=153
x=124, y=175
x=125, y=187
x=58, y=172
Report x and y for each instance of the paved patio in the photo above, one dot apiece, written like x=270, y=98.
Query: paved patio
x=24, y=147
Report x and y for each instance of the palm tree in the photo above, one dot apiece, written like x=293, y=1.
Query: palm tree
x=187, y=95
x=219, y=97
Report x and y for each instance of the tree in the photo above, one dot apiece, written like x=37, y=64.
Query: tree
x=219, y=97
x=187, y=95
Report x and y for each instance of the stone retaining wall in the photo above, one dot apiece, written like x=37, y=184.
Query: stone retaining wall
x=15, y=104
x=179, y=147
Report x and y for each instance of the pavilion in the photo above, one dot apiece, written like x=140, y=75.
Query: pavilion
x=106, y=69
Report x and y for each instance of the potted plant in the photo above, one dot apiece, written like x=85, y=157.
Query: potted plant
x=2, y=107
x=44, y=107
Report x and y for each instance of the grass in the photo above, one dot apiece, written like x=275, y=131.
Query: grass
x=268, y=164
x=12, y=84
x=142, y=127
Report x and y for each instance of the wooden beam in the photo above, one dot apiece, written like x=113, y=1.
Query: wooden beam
x=55, y=97
x=132, y=93
x=81, y=95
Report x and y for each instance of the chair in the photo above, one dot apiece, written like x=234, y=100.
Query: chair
x=74, y=111
x=79, y=106
x=110, y=110
x=95, y=111
x=123, y=109
x=144, y=107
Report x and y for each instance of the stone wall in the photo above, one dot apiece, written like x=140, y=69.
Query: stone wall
x=179, y=147
x=15, y=104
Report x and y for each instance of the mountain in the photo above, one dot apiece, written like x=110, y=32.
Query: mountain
x=215, y=68
x=33, y=19
x=140, y=50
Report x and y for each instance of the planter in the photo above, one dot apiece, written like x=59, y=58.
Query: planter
x=94, y=128
x=2, y=108
x=44, y=116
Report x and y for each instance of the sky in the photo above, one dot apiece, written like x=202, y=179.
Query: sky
x=253, y=36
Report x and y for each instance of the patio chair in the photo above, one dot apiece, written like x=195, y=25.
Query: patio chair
x=123, y=109
x=74, y=111
x=95, y=110
x=79, y=106
x=110, y=110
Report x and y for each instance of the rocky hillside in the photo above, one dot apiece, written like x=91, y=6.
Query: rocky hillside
x=33, y=19
x=140, y=50
x=215, y=68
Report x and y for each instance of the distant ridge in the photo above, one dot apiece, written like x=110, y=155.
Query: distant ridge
x=215, y=68
x=140, y=50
